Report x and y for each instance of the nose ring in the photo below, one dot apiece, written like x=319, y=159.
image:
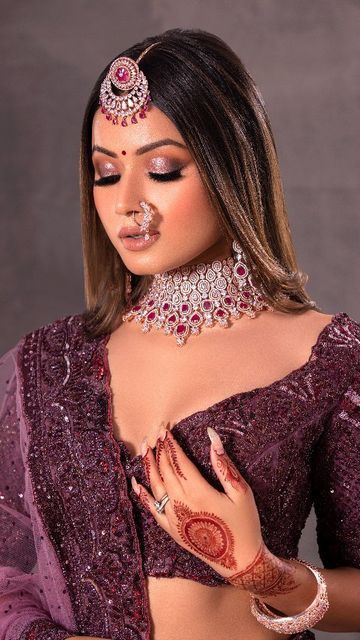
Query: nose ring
x=148, y=216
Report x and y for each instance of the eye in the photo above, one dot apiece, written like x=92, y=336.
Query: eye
x=158, y=177
x=164, y=177
x=106, y=180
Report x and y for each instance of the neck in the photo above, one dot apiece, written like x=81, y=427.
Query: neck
x=184, y=298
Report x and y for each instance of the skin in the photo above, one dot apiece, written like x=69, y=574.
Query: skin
x=188, y=226
x=189, y=234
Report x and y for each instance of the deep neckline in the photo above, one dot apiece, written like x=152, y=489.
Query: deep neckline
x=184, y=422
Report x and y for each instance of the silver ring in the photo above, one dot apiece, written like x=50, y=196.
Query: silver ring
x=133, y=214
x=160, y=504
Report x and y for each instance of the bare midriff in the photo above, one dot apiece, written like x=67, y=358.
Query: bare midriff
x=186, y=610
x=152, y=379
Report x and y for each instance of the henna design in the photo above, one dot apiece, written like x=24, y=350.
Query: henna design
x=146, y=464
x=206, y=534
x=159, y=448
x=144, y=498
x=230, y=472
x=266, y=575
x=171, y=451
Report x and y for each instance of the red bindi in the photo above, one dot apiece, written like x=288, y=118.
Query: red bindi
x=124, y=153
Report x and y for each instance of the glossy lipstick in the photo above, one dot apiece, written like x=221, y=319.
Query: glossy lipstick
x=137, y=244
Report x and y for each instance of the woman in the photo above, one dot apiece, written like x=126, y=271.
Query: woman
x=157, y=469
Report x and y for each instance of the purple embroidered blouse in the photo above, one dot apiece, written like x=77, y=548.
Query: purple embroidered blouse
x=76, y=543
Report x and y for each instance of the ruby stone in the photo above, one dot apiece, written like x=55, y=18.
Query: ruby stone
x=180, y=329
x=122, y=74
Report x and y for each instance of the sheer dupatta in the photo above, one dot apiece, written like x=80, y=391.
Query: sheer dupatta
x=34, y=603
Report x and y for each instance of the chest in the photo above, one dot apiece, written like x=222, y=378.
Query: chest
x=152, y=379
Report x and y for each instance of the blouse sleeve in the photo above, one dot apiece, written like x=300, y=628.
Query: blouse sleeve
x=336, y=482
x=23, y=612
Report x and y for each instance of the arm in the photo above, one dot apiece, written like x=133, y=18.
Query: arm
x=24, y=614
x=335, y=481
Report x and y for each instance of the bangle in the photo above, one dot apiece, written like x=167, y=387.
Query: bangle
x=301, y=621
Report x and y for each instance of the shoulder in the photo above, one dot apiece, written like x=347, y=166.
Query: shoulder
x=313, y=326
x=331, y=341
x=55, y=336
x=64, y=326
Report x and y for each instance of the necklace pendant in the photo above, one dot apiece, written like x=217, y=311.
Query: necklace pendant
x=185, y=299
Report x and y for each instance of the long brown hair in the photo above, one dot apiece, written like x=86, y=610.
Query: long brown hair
x=201, y=85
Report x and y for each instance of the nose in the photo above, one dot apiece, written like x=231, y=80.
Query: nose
x=128, y=196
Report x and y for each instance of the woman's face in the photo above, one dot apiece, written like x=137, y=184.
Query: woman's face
x=182, y=214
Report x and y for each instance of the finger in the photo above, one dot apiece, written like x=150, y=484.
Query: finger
x=166, y=470
x=147, y=500
x=186, y=472
x=153, y=475
x=230, y=477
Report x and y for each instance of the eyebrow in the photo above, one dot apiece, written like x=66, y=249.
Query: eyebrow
x=141, y=150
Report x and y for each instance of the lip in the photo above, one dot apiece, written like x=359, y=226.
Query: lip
x=139, y=244
x=134, y=231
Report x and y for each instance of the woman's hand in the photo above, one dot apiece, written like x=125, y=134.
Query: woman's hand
x=223, y=529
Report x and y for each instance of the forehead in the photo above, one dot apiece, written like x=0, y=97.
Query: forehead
x=156, y=125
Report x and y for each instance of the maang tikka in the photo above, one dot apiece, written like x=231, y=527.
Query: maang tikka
x=124, y=74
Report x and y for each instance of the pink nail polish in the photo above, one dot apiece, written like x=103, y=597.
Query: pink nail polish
x=215, y=441
x=144, y=447
x=135, y=485
x=162, y=434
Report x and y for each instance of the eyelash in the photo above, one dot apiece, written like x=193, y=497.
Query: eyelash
x=158, y=177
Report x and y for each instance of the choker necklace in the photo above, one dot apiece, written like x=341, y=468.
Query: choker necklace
x=183, y=299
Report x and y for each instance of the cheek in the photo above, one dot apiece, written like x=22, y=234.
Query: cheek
x=103, y=200
x=191, y=208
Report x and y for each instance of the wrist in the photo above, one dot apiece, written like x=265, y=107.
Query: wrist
x=295, y=592
x=266, y=575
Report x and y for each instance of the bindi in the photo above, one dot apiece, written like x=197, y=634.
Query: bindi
x=123, y=153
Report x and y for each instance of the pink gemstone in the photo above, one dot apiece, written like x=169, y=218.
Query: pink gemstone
x=195, y=318
x=228, y=300
x=133, y=120
x=181, y=328
x=220, y=312
x=124, y=123
x=166, y=306
x=243, y=305
x=108, y=116
x=184, y=308
x=150, y=303
x=151, y=315
x=115, y=120
x=103, y=110
x=246, y=294
x=172, y=318
x=207, y=304
x=137, y=307
x=240, y=271
x=142, y=114
x=122, y=74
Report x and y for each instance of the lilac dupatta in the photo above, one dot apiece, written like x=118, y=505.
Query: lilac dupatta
x=70, y=557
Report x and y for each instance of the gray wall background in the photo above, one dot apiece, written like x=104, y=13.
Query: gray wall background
x=304, y=57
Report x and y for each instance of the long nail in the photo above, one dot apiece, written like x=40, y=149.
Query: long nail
x=162, y=434
x=135, y=485
x=215, y=441
x=144, y=447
